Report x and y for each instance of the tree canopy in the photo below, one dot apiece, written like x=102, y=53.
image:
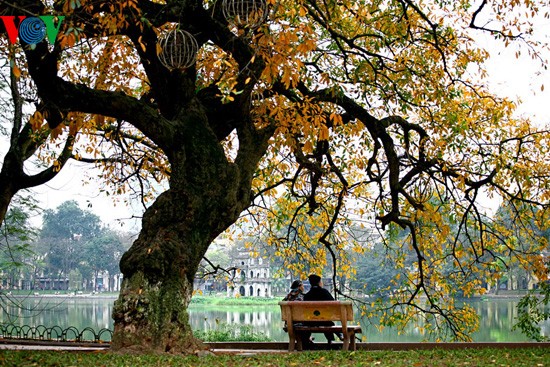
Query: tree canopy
x=309, y=116
x=75, y=239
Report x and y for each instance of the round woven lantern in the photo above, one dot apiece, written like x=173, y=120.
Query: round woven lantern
x=178, y=49
x=245, y=13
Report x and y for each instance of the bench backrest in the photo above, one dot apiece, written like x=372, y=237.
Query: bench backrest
x=316, y=311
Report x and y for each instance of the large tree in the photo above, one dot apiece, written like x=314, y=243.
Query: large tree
x=321, y=114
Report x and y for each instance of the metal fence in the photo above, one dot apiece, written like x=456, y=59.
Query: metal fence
x=54, y=333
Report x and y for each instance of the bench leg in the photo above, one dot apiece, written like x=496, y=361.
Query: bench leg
x=352, y=341
x=300, y=345
x=346, y=343
x=291, y=342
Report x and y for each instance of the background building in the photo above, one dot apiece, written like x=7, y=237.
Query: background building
x=251, y=276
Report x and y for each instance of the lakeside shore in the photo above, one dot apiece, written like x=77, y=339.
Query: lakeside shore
x=222, y=315
x=96, y=295
x=222, y=299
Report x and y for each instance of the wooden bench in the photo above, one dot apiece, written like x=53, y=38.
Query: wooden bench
x=296, y=312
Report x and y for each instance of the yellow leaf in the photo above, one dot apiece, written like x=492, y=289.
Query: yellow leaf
x=308, y=147
x=16, y=71
x=323, y=133
x=142, y=45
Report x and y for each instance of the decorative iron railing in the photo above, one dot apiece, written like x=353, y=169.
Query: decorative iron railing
x=55, y=333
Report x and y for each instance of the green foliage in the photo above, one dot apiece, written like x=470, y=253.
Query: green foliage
x=232, y=301
x=64, y=233
x=75, y=280
x=16, y=236
x=74, y=239
x=437, y=357
x=224, y=332
x=103, y=252
x=69, y=220
x=533, y=309
x=374, y=274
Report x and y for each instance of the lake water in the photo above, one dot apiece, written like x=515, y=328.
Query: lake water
x=497, y=318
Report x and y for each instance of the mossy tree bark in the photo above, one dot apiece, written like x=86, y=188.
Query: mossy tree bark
x=160, y=267
x=207, y=194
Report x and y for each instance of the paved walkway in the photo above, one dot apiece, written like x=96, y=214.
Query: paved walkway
x=11, y=344
x=50, y=347
x=252, y=348
x=74, y=348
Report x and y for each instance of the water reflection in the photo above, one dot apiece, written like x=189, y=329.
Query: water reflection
x=63, y=312
x=496, y=321
x=497, y=318
x=264, y=319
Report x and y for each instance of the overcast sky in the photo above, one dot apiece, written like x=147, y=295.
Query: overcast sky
x=72, y=184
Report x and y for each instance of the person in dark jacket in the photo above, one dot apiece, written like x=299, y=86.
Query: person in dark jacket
x=318, y=293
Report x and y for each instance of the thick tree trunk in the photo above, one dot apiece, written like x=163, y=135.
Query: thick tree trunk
x=207, y=195
x=151, y=312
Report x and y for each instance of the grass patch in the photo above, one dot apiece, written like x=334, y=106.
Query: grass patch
x=233, y=301
x=227, y=333
x=535, y=357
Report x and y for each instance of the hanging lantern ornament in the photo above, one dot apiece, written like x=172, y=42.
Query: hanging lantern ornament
x=245, y=13
x=177, y=49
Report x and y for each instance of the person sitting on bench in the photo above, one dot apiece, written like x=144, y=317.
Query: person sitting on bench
x=318, y=293
x=296, y=291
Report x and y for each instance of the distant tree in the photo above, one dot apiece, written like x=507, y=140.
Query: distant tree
x=64, y=233
x=375, y=271
x=521, y=227
x=68, y=221
x=103, y=253
x=75, y=280
x=16, y=237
